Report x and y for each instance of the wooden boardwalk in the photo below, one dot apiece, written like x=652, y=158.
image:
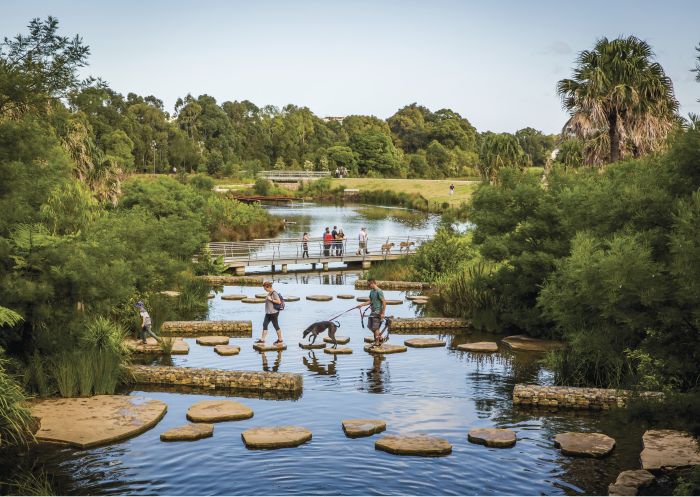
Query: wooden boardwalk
x=284, y=252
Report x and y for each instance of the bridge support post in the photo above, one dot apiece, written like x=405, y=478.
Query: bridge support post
x=240, y=270
x=325, y=266
x=366, y=264
x=284, y=268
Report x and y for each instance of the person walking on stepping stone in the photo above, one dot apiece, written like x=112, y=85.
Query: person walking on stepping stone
x=378, y=306
x=145, y=322
x=271, y=314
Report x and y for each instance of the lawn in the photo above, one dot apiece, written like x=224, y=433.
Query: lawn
x=433, y=190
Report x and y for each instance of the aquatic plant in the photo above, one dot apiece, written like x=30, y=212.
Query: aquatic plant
x=36, y=378
x=15, y=419
x=28, y=482
x=166, y=345
x=85, y=373
x=65, y=373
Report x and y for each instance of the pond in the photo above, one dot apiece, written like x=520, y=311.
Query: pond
x=437, y=391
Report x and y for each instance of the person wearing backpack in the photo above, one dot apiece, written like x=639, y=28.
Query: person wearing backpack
x=274, y=303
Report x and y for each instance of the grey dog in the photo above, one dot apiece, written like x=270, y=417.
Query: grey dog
x=319, y=327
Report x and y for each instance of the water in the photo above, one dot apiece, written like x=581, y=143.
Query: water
x=437, y=391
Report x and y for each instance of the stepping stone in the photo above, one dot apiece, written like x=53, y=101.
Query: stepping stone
x=416, y=297
x=414, y=445
x=668, y=449
x=340, y=340
x=292, y=298
x=170, y=293
x=275, y=437
x=309, y=346
x=386, y=348
x=629, y=482
x=261, y=347
x=91, y=421
x=523, y=342
x=369, y=339
x=319, y=298
x=213, y=340
x=227, y=349
x=492, y=437
x=393, y=302
x=420, y=343
x=152, y=346
x=260, y=295
x=345, y=296
x=420, y=301
x=584, y=444
x=234, y=296
x=211, y=295
x=355, y=428
x=338, y=350
x=213, y=411
x=188, y=432
x=478, y=347
x=362, y=299
x=249, y=300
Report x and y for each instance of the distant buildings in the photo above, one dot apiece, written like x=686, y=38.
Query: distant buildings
x=338, y=119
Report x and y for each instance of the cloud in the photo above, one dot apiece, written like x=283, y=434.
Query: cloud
x=559, y=47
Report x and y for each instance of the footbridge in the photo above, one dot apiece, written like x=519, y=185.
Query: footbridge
x=283, y=252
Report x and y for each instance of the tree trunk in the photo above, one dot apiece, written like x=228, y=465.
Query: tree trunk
x=614, y=137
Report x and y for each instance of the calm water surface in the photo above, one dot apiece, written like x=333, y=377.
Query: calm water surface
x=437, y=391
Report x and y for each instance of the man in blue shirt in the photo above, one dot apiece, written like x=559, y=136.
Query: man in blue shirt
x=377, y=302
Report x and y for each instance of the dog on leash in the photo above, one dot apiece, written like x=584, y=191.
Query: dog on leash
x=319, y=328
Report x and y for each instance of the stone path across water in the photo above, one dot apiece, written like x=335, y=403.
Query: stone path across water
x=584, y=444
x=629, y=482
x=386, y=348
x=338, y=350
x=669, y=449
x=263, y=347
x=319, y=298
x=423, y=342
x=485, y=347
x=234, y=296
x=213, y=340
x=188, y=432
x=214, y=411
x=414, y=445
x=227, y=350
x=355, y=428
x=492, y=437
x=275, y=437
x=316, y=345
x=338, y=339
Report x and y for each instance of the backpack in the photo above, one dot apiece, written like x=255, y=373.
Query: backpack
x=280, y=306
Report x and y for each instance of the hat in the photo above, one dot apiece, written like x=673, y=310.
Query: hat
x=139, y=304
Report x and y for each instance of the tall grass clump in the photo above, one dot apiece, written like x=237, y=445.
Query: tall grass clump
x=15, y=419
x=166, y=344
x=65, y=374
x=27, y=481
x=390, y=271
x=36, y=377
x=193, y=296
x=103, y=345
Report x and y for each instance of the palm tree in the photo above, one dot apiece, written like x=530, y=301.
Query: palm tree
x=621, y=102
x=499, y=150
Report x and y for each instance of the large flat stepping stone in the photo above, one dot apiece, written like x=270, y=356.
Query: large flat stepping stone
x=249, y=300
x=393, y=301
x=275, y=437
x=260, y=295
x=492, y=437
x=345, y=296
x=316, y=345
x=416, y=297
x=369, y=339
x=629, y=482
x=319, y=298
x=478, y=347
x=152, y=346
x=213, y=340
x=523, y=342
x=362, y=299
x=99, y=420
x=340, y=340
x=386, y=348
x=355, y=428
x=584, y=444
x=188, y=432
x=214, y=411
x=421, y=343
x=338, y=350
x=227, y=349
x=234, y=296
x=420, y=301
x=668, y=449
x=263, y=347
x=414, y=445
x=292, y=298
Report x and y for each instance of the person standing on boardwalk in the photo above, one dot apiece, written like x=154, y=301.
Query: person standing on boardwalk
x=362, y=242
x=377, y=302
x=334, y=246
x=340, y=239
x=271, y=314
x=145, y=322
x=327, y=242
x=305, y=246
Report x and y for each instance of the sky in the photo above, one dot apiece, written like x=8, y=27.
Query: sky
x=495, y=62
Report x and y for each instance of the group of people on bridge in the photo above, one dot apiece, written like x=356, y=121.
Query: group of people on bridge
x=334, y=242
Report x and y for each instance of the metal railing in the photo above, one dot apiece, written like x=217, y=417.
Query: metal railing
x=295, y=251
x=293, y=175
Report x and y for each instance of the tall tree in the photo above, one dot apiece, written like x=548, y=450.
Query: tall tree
x=620, y=101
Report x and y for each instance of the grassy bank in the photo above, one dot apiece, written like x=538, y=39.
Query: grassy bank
x=435, y=191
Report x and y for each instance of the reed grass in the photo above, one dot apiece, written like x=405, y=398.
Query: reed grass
x=36, y=378
x=86, y=374
x=15, y=419
x=28, y=482
x=166, y=344
x=65, y=374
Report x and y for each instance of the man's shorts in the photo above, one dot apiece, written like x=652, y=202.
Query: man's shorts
x=374, y=322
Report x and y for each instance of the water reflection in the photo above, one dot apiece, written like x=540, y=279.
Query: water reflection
x=276, y=366
x=312, y=364
x=378, y=378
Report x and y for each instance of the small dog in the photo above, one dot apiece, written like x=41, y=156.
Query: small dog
x=406, y=246
x=319, y=327
x=386, y=248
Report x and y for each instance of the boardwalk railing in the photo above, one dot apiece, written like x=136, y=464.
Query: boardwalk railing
x=293, y=175
x=265, y=252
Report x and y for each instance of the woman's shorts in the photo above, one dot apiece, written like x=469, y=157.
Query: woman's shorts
x=271, y=318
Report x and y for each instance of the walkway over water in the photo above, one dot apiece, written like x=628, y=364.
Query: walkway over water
x=285, y=251
x=291, y=176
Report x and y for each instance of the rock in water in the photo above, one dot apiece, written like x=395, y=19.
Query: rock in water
x=291, y=298
x=315, y=345
x=214, y=411
x=478, y=347
x=340, y=340
x=262, y=347
x=354, y=428
x=386, y=348
x=233, y=296
x=414, y=445
x=249, y=300
x=338, y=350
x=524, y=342
x=423, y=342
x=629, y=482
x=188, y=432
x=584, y=444
x=97, y=420
x=492, y=437
x=275, y=437
x=213, y=340
x=227, y=349
x=667, y=449
x=319, y=298
x=345, y=296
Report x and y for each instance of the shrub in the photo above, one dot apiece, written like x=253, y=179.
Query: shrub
x=15, y=419
x=202, y=182
x=262, y=186
x=441, y=255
